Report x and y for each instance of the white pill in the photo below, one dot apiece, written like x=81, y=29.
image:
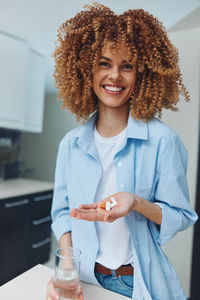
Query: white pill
x=114, y=201
x=108, y=205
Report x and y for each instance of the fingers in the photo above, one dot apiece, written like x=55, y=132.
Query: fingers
x=84, y=214
x=80, y=295
x=95, y=215
x=94, y=212
x=75, y=211
x=51, y=291
x=97, y=211
x=88, y=206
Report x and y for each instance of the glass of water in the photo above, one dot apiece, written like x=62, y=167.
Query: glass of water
x=66, y=278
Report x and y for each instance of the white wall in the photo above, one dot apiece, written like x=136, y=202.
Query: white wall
x=186, y=124
x=39, y=150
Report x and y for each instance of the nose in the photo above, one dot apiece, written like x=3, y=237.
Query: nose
x=115, y=74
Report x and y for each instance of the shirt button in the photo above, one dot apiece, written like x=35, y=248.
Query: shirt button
x=122, y=186
x=119, y=164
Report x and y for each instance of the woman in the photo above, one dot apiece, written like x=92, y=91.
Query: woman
x=122, y=70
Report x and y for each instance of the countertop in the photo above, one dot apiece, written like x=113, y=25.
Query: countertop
x=32, y=284
x=21, y=186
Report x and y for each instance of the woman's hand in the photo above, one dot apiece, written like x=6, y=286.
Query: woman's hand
x=93, y=212
x=52, y=294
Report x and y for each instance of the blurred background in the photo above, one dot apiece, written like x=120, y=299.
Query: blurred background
x=32, y=123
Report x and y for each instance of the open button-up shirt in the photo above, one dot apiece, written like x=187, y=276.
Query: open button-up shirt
x=152, y=164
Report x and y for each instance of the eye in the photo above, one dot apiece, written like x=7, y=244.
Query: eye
x=127, y=67
x=104, y=64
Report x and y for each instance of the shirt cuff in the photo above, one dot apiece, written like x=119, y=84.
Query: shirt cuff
x=60, y=226
x=170, y=225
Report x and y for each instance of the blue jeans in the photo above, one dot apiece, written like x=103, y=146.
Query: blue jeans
x=122, y=284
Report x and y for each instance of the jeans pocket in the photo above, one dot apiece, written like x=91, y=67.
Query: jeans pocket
x=98, y=277
x=126, y=281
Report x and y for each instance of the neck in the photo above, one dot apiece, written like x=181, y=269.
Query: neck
x=111, y=122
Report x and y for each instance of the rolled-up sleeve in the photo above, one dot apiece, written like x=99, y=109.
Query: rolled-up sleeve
x=171, y=191
x=60, y=206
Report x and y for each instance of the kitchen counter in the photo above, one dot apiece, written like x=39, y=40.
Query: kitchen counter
x=21, y=186
x=32, y=284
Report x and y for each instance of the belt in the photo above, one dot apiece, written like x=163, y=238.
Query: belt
x=123, y=270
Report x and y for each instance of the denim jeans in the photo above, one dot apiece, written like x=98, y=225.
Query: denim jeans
x=122, y=284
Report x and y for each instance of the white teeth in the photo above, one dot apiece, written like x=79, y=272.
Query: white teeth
x=113, y=88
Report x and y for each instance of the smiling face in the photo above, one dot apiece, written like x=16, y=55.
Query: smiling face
x=114, y=79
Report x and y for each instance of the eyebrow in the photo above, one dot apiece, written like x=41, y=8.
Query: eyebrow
x=108, y=59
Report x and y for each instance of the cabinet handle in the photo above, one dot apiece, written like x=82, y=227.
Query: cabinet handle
x=16, y=203
x=43, y=197
x=42, y=243
x=40, y=221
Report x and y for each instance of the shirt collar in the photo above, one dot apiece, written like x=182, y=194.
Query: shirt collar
x=135, y=129
x=85, y=136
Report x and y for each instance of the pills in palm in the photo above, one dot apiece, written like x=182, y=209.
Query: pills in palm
x=112, y=202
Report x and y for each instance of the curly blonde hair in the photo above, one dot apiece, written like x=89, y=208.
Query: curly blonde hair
x=81, y=41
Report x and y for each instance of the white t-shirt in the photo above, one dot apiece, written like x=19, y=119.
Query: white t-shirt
x=114, y=238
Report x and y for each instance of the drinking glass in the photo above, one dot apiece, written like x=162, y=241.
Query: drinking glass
x=67, y=267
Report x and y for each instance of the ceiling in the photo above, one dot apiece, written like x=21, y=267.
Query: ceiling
x=37, y=21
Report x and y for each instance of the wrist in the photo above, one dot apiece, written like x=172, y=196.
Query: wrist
x=136, y=201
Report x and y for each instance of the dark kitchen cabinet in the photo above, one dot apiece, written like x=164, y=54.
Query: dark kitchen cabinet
x=25, y=233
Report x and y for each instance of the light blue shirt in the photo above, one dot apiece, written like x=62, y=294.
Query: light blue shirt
x=152, y=164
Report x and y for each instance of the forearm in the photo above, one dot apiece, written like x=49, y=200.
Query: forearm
x=148, y=209
x=65, y=240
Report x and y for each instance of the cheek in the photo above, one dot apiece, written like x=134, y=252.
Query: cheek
x=132, y=86
x=95, y=87
x=96, y=82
